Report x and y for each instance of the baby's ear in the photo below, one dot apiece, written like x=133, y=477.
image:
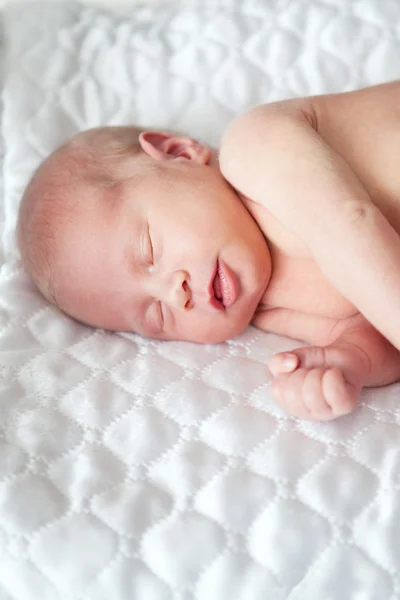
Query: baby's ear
x=166, y=146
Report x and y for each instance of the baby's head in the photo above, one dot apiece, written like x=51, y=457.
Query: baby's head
x=134, y=230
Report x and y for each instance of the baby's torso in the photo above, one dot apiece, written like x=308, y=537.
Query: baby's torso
x=364, y=128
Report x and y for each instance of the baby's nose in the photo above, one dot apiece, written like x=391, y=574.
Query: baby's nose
x=177, y=291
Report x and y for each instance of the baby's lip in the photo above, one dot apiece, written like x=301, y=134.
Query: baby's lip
x=226, y=285
x=212, y=300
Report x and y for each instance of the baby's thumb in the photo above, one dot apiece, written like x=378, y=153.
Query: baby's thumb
x=308, y=357
x=284, y=362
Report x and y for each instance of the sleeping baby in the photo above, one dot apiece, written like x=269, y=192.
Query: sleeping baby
x=293, y=225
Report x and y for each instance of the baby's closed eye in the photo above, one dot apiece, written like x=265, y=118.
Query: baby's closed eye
x=155, y=317
x=147, y=248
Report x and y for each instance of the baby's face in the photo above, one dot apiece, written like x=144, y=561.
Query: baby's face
x=173, y=257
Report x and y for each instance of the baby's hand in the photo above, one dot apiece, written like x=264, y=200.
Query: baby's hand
x=317, y=383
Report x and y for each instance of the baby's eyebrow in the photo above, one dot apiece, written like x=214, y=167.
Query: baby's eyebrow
x=132, y=231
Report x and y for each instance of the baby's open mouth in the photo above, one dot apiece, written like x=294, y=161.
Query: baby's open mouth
x=224, y=285
x=217, y=286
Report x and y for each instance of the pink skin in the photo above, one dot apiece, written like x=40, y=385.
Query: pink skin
x=172, y=254
x=323, y=382
x=318, y=383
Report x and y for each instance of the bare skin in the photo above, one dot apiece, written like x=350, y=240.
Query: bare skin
x=347, y=352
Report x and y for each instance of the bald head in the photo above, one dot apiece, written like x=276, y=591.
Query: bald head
x=62, y=191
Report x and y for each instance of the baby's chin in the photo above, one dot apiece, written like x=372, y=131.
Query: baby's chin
x=231, y=328
x=215, y=334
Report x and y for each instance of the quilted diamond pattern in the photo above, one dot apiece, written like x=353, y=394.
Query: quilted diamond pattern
x=132, y=469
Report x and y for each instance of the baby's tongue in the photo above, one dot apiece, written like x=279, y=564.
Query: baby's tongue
x=217, y=287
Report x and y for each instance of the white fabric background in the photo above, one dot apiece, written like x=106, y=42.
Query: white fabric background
x=131, y=469
x=109, y=4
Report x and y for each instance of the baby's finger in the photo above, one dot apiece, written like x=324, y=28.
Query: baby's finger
x=340, y=395
x=284, y=362
x=287, y=391
x=313, y=395
x=307, y=357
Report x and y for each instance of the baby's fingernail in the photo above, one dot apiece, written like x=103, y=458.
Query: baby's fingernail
x=289, y=361
x=283, y=362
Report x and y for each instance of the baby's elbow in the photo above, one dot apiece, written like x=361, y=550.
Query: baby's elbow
x=358, y=213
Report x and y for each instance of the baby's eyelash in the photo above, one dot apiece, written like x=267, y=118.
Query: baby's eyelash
x=157, y=317
x=154, y=317
x=160, y=310
x=151, y=253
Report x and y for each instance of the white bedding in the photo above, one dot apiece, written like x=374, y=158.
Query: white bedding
x=131, y=469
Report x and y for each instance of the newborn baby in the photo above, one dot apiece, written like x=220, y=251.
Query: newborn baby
x=293, y=226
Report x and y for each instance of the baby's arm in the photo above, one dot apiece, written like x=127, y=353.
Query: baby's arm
x=324, y=382
x=275, y=156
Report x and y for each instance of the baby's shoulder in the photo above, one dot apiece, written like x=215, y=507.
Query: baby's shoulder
x=243, y=165
x=245, y=130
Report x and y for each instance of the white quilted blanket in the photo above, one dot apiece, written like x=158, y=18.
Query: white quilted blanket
x=137, y=470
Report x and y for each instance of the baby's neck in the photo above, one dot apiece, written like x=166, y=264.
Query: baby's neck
x=214, y=159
